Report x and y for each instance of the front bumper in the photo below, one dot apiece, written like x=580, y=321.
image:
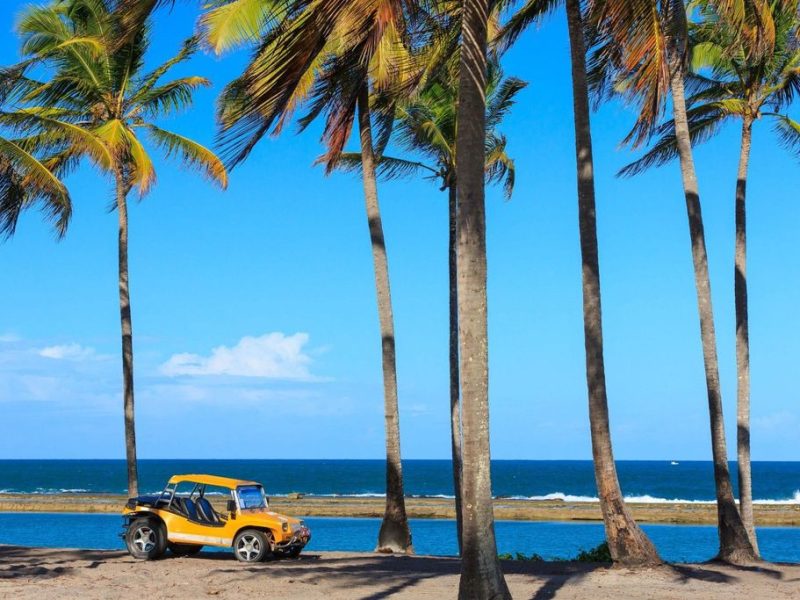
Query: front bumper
x=299, y=538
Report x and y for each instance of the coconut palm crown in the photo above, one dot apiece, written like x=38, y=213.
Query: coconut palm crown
x=94, y=100
x=426, y=125
x=730, y=83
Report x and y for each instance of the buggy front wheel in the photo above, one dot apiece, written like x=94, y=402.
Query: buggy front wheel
x=146, y=539
x=252, y=545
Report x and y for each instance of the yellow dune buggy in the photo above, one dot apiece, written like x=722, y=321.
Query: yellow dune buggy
x=182, y=519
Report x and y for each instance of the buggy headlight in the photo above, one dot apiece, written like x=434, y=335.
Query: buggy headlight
x=285, y=526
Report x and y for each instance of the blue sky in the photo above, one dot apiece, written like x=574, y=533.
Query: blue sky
x=255, y=326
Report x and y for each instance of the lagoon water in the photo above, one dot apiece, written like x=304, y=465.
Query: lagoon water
x=678, y=543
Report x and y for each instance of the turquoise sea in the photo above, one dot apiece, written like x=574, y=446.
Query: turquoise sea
x=647, y=481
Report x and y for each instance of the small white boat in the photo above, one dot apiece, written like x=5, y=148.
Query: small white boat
x=674, y=462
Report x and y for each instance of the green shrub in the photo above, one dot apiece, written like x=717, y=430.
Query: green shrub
x=600, y=553
x=520, y=556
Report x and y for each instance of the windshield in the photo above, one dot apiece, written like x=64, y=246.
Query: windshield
x=251, y=496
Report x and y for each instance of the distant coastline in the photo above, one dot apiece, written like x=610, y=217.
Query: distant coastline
x=696, y=513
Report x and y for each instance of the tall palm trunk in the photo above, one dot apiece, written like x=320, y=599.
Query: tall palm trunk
x=394, y=535
x=455, y=405
x=481, y=577
x=743, y=340
x=122, y=189
x=734, y=544
x=626, y=541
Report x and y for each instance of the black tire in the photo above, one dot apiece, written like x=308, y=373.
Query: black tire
x=146, y=539
x=252, y=545
x=184, y=549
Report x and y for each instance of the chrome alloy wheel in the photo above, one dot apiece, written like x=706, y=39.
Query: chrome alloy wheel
x=249, y=547
x=144, y=539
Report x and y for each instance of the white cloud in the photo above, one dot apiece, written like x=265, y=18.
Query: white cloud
x=67, y=352
x=273, y=356
x=418, y=410
x=8, y=338
x=774, y=421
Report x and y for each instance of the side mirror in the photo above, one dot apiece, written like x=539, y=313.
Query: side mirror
x=232, y=508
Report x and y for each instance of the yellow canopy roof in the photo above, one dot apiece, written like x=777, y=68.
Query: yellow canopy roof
x=216, y=480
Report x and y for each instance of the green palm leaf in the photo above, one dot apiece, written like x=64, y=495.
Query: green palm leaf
x=191, y=153
x=25, y=181
x=788, y=132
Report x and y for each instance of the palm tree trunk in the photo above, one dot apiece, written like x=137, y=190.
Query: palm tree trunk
x=734, y=544
x=455, y=405
x=743, y=340
x=481, y=577
x=626, y=541
x=122, y=189
x=394, y=535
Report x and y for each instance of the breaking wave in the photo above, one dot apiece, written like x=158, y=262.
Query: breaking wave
x=647, y=499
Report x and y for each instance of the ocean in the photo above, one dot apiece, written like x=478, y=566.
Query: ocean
x=643, y=481
x=646, y=481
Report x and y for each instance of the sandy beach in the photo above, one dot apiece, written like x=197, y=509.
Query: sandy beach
x=47, y=573
x=434, y=508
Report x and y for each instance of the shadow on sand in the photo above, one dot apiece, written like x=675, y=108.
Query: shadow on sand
x=359, y=576
x=18, y=562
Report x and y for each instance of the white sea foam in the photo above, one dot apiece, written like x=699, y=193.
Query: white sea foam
x=795, y=499
x=647, y=499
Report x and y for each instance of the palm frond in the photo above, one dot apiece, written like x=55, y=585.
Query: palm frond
x=788, y=132
x=501, y=101
x=150, y=80
x=171, y=97
x=233, y=23
x=634, y=46
x=532, y=11
x=25, y=181
x=386, y=167
x=271, y=78
x=704, y=122
x=45, y=120
x=190, y=153
x=140, y=166
x=499, y=165
x=128, y=150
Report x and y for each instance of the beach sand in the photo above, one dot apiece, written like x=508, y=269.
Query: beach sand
x=440, y=508
x=46, y=573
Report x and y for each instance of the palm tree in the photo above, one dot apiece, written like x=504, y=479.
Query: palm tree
x=426, y=125
x=642, y=51
x=748, y=86
x=627, y=542
x=95, y=103
x=481, y=576
x=328, y=56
